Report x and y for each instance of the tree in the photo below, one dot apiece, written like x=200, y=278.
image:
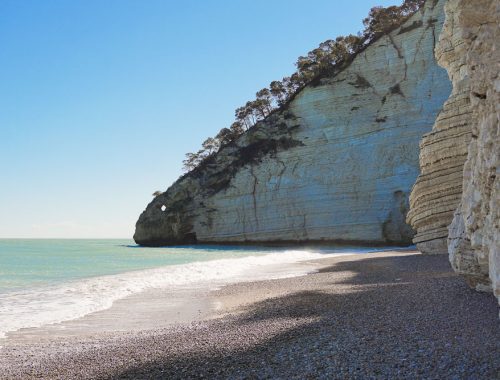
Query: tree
x=297, y=80
x=236, y=129
x=210, y=145
x=278, y=91
x=157, y=193
x=411, y=6
x=251, y=112
x=306, y=63
x=242, y=115
x=225, y=136
x=380, y=20
x=259, y=109
x=264, y=99
x=191, y=162
x=239, y=114
x=340, y=51
x=353, y=43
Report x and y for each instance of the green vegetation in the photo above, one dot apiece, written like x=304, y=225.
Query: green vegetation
x=327, y=59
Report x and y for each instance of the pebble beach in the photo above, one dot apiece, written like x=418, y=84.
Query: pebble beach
x=378, y=315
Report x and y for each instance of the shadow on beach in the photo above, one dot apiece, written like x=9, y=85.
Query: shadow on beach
x=393, y=316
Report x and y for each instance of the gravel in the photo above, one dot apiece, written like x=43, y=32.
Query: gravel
x=374, y=316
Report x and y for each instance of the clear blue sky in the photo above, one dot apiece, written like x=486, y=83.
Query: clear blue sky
x=100, y=100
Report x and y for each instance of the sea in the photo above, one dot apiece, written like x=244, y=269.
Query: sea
x=46, y=281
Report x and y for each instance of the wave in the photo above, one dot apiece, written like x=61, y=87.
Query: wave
x=71, y=300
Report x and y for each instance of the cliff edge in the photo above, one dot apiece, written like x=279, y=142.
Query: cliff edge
x=336, y=164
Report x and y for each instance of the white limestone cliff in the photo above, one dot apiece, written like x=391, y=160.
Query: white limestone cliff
x=336, y=164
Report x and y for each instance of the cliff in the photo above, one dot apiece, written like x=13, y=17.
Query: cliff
x=443, y=151
x=474, y=236
x=336, y=164
x=455, y=202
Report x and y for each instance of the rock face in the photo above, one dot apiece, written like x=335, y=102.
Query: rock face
x=474, y=234
x=455, y=203
x=443, y=152
x=337, y=164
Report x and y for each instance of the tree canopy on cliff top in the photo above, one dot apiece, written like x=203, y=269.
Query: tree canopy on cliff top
x=327, y=59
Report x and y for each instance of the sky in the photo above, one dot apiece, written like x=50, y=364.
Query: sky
x=101, y=99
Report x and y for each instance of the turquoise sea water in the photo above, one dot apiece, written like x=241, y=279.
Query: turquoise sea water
x=49, y=281
x=26, y=263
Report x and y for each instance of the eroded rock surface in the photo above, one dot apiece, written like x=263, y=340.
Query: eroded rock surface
x=474, y=234
x=443, y=151
x=336, y=165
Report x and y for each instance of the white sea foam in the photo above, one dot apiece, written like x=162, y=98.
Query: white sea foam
x=71, y=300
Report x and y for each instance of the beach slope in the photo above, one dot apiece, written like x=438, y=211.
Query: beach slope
x=377, y=315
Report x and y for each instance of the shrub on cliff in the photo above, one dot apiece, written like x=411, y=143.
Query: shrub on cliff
x=382, y=20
